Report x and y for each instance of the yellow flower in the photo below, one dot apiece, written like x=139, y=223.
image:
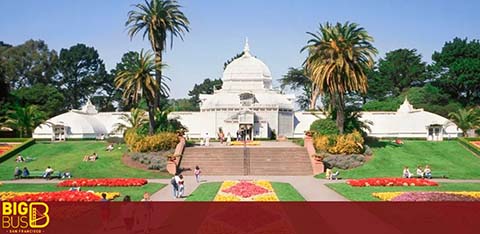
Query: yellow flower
x=227, y=184
x=386, y=196
x=110, y=195
x=266, y=197
x=264, y=184
x=4, y=196
x=226, y=197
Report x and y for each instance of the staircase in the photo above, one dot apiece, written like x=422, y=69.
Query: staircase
x=286, y=161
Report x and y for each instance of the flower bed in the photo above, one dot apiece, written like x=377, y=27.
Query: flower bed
x=12, y=196
x=391, y=182
x=475, y=143
x=67, y=196
x=428, y=196
x=251, y=143
x=102, y=182
x=246, y=191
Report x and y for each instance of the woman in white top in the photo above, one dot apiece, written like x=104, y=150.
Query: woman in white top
x=406, y=173
x=419, y=172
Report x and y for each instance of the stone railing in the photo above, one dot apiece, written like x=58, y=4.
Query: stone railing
x=174, y=160
x=317, y=166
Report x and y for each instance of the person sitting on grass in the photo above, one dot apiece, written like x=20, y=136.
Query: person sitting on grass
x=110, y=148
x=406, y=173
x=48, y=172
x=25, y=172
x=427, y=172
x=66, y=175
x=92, y=157
x=17, y=173
x=104, y=197
x=334, y=176
x=20, y=159
x=419, y=172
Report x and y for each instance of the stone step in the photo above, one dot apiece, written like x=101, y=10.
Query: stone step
x=263, y=161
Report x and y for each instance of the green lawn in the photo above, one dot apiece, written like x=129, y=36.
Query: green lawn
x=68, y=156
x=136, y=193
x=207, y=192
x=365, y=193
x=445, y=158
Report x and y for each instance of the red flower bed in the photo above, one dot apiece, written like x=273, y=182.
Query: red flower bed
x=67, y=196
x=391, y=182
x=245, y=189
x=102, y=182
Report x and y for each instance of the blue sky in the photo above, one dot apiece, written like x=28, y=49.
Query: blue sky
x=276, y=29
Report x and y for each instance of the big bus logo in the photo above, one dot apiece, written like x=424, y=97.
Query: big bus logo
x=22, y=215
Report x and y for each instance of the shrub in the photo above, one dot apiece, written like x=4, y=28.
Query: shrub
x=322, y=143
x=157, y=142
x=344, y=161
x=342, y=144
x=324, y=127
x=131, y=137
x=348, y=144
x=153, y=160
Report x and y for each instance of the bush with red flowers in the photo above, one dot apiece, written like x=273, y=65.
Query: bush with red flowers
x=391, y=182
x=102, y=182
x=62, y=196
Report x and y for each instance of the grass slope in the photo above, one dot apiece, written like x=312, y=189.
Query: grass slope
x=136, y=193
x=365, y=193
x=207, y=192
x=445, y=158
x=68, y=156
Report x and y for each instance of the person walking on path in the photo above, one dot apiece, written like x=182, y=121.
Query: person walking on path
x=174, y=183
x=197, y=173
x=181, y=186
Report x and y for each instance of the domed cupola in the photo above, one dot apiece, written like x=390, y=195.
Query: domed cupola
x=247, y=73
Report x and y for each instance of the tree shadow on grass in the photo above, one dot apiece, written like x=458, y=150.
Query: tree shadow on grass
x=383, y=144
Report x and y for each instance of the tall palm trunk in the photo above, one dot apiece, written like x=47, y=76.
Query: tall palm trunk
x=151, y=119
x=158, y=77
x=340, y=112
x=314, y=97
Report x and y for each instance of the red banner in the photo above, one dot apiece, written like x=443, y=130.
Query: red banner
x=241, y=218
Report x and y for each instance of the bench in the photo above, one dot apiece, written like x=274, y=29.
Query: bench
x=39, y=175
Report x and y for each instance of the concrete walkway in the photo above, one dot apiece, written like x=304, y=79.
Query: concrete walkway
x=310, y=188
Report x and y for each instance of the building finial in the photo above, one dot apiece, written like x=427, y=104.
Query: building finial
x=246, y=48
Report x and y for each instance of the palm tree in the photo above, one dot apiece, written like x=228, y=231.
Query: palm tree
x=338, y=57
x=134, y=120
x=158, y=19
x=466, y=119
x=24, y=119
x=137, y=80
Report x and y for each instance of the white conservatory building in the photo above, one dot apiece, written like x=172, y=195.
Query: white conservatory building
x=247, y=101
x=86, y=123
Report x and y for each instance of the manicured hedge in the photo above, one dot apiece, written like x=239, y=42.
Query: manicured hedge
x=466, y=143
x=17, y=150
